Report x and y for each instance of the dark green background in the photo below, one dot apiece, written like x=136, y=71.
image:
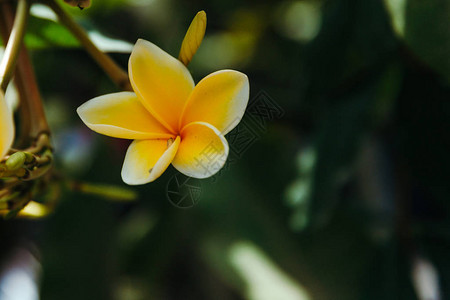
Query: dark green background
x=344, y=193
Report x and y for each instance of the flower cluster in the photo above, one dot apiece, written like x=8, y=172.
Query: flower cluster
x=171, y=120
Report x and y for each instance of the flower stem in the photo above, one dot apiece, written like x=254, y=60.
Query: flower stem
x=15, y=40
x=32, y=121
x=28, y=91
x=117, y=75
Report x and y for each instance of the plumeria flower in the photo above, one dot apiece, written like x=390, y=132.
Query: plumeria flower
x=6, y=127
x=170, y=119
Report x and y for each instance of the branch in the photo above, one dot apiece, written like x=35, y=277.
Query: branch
x=33, y=121
x=15, y=40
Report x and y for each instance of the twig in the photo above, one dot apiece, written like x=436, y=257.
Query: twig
x=15, y=40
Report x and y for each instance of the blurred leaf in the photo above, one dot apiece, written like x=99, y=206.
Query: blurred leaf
x=338, y=139
x=43, y=33
x=213, y=251
x=427, y=33
x=298, y=193
x=342, y=128
x=299, y=20
x=387, y=93
x=265, y=280
x=423, y=25
x=354, y=39
x=396, y=9
x=422, y=139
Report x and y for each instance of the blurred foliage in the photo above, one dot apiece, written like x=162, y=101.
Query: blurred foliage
x=339, y=199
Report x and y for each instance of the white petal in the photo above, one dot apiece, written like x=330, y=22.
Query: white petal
x=6, y=127
x=203, y=150
x=146, y=160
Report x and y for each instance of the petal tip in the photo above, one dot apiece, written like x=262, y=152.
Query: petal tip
x=139, y=45
x=134, y=182
x=130, y=179
x=140, y=41
x=201, y=16
x=80, y=110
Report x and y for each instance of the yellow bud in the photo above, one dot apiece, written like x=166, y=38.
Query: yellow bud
x=193, y=38
x=81, y=4
x=15, y=161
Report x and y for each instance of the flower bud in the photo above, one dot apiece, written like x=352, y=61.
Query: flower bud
x=15, y=161
x=193, y=38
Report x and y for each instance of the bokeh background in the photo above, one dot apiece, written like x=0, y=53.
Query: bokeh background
x=342, y=193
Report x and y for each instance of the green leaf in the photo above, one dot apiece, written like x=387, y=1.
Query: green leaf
x=423, y=25
x=43, y=33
